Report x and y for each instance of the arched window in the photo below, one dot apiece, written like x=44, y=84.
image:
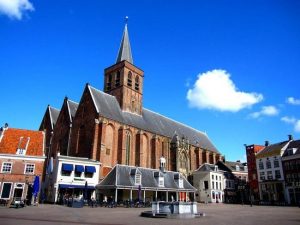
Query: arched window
x=118, y=77
x=109, y=80
x=137, y=84
x=128, y=144
x=129, y=79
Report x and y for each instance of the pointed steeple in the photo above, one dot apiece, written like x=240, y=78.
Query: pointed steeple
x=125, y=50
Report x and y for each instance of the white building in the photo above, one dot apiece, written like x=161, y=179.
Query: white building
x=71, y=176
x=209, y=182
x=270, y=172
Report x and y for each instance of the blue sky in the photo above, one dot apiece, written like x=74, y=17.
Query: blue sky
x=228, y=68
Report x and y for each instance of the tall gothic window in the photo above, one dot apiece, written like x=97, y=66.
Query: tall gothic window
x=137, y=84
x=129, y=79
x=128, y=144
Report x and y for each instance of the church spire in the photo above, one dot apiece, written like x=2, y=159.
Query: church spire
x=125, y=50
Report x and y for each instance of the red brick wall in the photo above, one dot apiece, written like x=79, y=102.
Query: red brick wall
x=61, y=132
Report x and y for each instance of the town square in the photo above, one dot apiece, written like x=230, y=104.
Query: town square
x=151, y=112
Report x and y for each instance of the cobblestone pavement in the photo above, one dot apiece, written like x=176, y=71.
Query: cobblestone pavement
x=219, y=214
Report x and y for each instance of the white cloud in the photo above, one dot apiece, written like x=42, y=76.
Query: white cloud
x=293, y=101
x=297, y=126
x=266, y=111
x=287, y=119
x=293, y=121
x=215, y=90
x=15, y=8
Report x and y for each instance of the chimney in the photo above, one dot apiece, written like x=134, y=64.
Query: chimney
x=290, y=137
x=266, y=143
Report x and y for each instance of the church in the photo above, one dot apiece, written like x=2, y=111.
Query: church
x=112, y=126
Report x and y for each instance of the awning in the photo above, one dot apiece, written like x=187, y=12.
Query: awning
x=75, y=186
x=79, y=168
x=90, y=169
x=67, y=167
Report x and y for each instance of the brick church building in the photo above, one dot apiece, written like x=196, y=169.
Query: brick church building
x=113, y=127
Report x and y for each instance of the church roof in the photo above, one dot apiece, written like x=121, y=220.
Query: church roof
x=124, y=176
x=108, y=106
x=72, y=108
x=125, y=50
x=53, y=112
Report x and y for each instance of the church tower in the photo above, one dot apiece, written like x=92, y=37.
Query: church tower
x=124, y=80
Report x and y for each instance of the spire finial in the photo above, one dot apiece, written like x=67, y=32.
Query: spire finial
x=125, y=50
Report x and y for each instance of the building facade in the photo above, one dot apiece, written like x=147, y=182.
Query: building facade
x=291, y=169
x=251, y=151
x=236, y=181
x=22, y=158
x=113, y=127
x=209, y=182
x=71, y=177
x=270, y=173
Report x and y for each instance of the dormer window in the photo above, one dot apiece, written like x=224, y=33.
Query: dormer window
x=137, y=84
x=161, y=182
x=129, y=79
x=180, y=183
x=237, y=168
x=21, y=151
x=138, y=179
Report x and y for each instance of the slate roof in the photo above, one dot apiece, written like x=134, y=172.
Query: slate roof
x=123, y=176
x=232, y=166
x=206, y=167
x=53, y=112
x=72, y=108
x=125, y=49
x=293, y=144
x=13, y=138
x=108, y=106
x=273, y=149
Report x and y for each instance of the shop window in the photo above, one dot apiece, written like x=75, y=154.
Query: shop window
x=29, y=169
x=213, y=195
x=6, y=167
x=88, y=175
x=6, y=189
